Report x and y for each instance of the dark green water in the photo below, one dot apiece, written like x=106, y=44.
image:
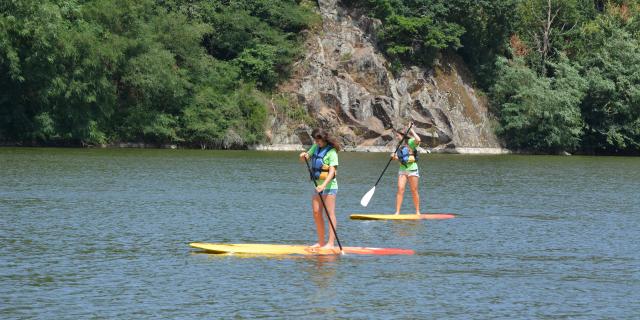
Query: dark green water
x=104, y=233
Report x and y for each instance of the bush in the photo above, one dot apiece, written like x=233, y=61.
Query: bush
x=99, y=71
x=537, y=113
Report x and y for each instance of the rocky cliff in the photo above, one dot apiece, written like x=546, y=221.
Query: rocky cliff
x=345, y=84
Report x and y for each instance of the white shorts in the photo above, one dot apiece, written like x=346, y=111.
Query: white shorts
x=411, y=173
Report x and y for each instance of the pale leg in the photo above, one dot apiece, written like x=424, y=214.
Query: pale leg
x=413, y=183
x=402, y=182
x=317, y=218
x=330, y=201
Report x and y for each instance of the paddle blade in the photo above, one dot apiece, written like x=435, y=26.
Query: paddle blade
x=367, y=197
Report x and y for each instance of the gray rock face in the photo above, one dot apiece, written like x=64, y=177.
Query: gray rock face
x=346, y=85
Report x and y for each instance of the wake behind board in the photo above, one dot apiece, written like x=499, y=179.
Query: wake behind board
x=424, y=216
x=281, y=249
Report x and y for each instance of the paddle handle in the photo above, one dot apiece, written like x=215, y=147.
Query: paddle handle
x=397, y=147
x=326, y=211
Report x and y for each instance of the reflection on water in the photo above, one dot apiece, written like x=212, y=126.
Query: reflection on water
x=105, y=233
x=409, y=228
x=321, y=269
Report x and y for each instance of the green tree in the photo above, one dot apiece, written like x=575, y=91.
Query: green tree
x=261, y=36
x=546, y=25
x=539, y=113
x=609, y=50
x=99, y=71
x=413, y=31
x=489, y=26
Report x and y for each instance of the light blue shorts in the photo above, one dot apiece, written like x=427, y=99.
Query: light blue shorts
x=412, y=173
x=327, y=192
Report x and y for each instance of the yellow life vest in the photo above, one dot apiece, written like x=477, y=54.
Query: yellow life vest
x=325, y=172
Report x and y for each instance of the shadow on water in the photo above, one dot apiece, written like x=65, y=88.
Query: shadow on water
x=320, y=258
x=408, y=228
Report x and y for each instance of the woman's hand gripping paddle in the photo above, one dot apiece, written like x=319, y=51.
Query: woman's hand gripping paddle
x=367, y=196
x=324, y=206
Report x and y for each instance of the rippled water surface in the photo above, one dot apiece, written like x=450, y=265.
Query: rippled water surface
x=105, y=233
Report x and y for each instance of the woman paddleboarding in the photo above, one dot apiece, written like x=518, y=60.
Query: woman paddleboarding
x=407, y=155
x=324, y=164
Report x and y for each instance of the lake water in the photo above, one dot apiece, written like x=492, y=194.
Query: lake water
x=104, y=234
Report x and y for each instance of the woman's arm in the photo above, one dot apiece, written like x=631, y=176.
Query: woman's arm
x=306, y=155
x=415, y=136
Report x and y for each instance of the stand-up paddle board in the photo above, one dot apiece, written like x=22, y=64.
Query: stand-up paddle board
x=281, y=249
x=424, y=216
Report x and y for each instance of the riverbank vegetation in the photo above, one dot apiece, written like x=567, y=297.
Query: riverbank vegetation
x=562, y=75
x=159, y=71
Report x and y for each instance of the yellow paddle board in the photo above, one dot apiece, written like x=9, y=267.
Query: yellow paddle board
x=281, y=249
x=424, y=216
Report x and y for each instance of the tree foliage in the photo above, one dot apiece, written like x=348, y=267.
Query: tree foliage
x=414, y=31
x=536, y=112
x=602, y=44
x=89, y=71
x=563, y=74
x=609, y=51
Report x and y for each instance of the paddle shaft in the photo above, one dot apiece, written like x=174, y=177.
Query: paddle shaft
x=398, y=147
x=326, y=211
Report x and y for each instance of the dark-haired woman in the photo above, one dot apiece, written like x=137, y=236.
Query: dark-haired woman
x=324, y=164
x=407, y=156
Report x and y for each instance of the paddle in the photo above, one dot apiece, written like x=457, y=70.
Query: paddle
x=323, y=205
x=367, y=196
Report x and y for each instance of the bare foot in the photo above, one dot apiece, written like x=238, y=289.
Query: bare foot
x=317, y=245
x=328, y=246
x=418, y=213
x=397, y=213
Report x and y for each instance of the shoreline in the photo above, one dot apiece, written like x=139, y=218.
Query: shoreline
x=380, y=149
x=266, y=147
x=301, y=147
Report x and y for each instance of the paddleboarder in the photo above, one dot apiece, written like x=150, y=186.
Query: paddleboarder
x=407, y=156
x=324, y=164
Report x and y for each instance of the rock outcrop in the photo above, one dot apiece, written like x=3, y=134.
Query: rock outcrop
x=346, y=85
